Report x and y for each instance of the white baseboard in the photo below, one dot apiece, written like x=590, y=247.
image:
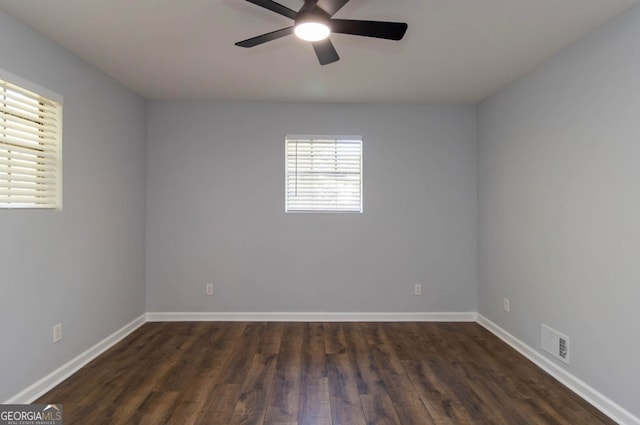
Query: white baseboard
x=591, y=395
x=310, y=317
x=36, y=390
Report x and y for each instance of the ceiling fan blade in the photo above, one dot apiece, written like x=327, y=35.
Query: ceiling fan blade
x=377, y=29
x=275, y=7
x=325, y=51
x=251, y=42
x=332, y=6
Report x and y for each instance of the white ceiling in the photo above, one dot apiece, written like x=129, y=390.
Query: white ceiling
x=455, y=51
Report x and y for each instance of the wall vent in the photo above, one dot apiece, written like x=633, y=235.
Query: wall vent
x=555, y=343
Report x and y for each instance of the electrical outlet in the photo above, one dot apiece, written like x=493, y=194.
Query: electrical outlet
x=209, y=288
x=417, y=289
x=507, y=305
x=57, y=332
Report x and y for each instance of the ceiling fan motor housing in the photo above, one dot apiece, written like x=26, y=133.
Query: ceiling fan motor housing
x=316, y=15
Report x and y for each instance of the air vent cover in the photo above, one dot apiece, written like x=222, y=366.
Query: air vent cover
x=555, y=343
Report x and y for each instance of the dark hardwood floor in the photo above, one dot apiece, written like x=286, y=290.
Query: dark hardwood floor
x=316, y=374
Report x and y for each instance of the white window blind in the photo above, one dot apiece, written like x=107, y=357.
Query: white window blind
x=324, y=174
x=30, y=148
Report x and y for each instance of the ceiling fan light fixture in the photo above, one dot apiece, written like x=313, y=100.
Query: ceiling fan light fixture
x=312, y=31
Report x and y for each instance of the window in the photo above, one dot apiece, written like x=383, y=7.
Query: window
x=324, y=173
x=30, y=146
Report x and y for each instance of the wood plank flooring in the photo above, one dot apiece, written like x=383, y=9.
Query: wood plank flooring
x=316, y=374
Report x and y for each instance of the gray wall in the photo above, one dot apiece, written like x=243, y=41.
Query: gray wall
x=215, y=211
x=82, y=266
x=559, y=191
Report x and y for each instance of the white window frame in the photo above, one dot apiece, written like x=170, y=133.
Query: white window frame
x=26, y=187
x=344, y=175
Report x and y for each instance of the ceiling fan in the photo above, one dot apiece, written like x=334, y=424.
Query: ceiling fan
x=314, y=24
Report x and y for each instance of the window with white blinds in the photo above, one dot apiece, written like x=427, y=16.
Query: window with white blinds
x=30, y=148
x=324, y=174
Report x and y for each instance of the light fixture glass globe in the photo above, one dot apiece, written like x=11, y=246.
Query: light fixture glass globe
x=312, y=31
